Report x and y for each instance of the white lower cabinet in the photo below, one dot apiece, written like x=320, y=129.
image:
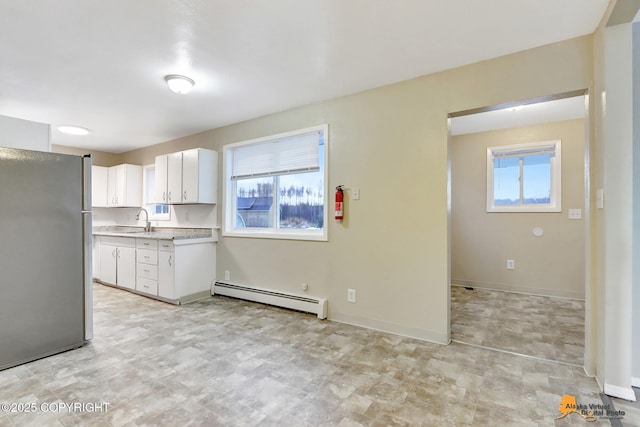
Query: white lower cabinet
x=175, y=271
x=118, y=261
x=166, y=271
x=147, y=267
x=186, y=269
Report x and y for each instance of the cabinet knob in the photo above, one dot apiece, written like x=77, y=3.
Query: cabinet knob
x=170, y=260
x=164, y=196
x=169, y=195
x=185, y=194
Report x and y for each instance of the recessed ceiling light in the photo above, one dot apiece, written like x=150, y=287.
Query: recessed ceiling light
x=179, y=84
x=73, y=130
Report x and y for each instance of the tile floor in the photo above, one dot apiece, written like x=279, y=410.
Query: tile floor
x=226, y=362
x=540, y=326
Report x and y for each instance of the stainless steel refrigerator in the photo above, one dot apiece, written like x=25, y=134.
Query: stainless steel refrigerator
x=45, y=254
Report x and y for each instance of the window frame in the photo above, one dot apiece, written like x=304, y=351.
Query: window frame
x=146, y=203
x=555, y=164
x=229, y=193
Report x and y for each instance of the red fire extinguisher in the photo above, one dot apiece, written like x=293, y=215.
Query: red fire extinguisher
x=339, y=210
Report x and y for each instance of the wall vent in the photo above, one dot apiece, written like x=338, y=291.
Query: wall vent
x=307, y=304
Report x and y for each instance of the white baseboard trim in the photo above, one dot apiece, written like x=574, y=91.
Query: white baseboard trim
x=589, y=367
x=392, y=328
x=599, y=382
x=521, y=290
x=635, y=382
x=625, y=393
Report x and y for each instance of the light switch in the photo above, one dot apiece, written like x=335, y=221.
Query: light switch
x=575, y=213
x=600, y=198
x=355, y=193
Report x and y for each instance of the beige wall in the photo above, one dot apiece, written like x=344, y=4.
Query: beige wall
x=481, y=242
x=392, y=143
x=99, y=158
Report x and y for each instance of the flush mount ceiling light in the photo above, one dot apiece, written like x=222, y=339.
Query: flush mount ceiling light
x=179, y=84
x=73, y=130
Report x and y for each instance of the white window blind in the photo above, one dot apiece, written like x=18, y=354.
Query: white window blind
x=533, y=151
x=296, y=154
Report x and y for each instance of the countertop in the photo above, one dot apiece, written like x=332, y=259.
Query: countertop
x=155, y=233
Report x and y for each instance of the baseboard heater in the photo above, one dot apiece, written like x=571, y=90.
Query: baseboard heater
x=313, y=305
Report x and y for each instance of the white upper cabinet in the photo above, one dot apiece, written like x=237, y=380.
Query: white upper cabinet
x=124, y=186
x=187, y=177
x=99, y=182
x=174, y=178
x=160, y=194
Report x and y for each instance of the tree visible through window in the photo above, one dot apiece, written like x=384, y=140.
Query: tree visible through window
x=524, y=178
x=276, y=186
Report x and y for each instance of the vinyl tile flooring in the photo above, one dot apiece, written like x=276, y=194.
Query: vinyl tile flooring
x=226, y=362
x=540, y=326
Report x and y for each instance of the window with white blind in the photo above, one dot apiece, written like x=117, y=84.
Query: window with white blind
x=275, y=187
x=524, y=177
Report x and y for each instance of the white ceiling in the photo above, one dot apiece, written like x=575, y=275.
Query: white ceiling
x=100, y=64
x=524, y=115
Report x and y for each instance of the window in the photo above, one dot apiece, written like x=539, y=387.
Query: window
x=275, y=187
x=524, y=178
x=156, y=211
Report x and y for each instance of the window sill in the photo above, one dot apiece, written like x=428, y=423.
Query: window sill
x=523, y=209
x=318, y=236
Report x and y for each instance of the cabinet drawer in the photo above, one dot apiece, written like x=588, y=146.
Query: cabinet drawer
x=147, y=286
x=147, y=244
x=126, y=242
x=147, y=271
x=148, y=256
x=165, y=245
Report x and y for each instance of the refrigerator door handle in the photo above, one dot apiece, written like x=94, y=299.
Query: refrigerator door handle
x=88, y=247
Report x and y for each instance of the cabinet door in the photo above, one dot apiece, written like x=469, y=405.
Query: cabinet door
x=112, y=173
x=190, y=176
x=126, y=267
x=108, y=260
x=160, y=192
x=166, y=274
x=174, y=177
x=131, y=186
x=121, y=185
x=99, y=185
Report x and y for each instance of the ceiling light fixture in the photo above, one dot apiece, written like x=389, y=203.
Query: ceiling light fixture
x=73, y=130
x=179, y=84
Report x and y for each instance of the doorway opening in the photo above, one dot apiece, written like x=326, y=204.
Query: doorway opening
x=519, y=265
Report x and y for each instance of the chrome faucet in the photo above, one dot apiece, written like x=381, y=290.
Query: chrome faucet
x=147, y=226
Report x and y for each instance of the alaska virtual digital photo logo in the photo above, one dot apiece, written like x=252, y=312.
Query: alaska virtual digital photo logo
x=591, y=412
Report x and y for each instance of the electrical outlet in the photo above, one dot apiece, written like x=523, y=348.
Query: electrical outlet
x=575, y=213
x=304, y=287
x=227, y=275
x=511, y=264
x=351, y=295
